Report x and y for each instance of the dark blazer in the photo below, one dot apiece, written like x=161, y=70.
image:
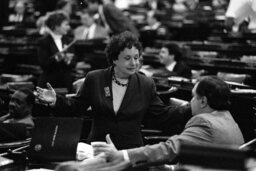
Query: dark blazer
x=124, y=127
x=180, y=69
x=58, y=74
x=217, y=127
x=117, y=21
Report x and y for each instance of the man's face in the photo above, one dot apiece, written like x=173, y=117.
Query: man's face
x=93, y=6
x=86, y=20
x=165, y=57
x=18, y=106
x=127, y=62
x=195, y=102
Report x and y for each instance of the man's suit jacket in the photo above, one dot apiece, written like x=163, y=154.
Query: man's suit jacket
x=58, y=74
x=140, y=99
x=180, y=69
x=99, y=32
x=117, y=21
x=217, y=127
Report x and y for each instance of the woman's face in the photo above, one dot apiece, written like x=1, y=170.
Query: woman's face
x=63, y=28
x=127, y=62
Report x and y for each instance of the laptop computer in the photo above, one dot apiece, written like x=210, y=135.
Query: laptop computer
x=54, y=139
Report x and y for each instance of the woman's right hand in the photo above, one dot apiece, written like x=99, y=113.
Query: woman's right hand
x=46, y=96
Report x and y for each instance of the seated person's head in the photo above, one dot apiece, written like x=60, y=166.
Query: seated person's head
x=20, y=7
x=152, y=18
x=87, y=18
x=119, y=42
x=170, y=53
x=58, y=22
x=210, y=93
x=94, y=4
x=21, y=103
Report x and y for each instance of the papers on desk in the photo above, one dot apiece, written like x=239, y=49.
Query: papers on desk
x=84, y=151
x=178, y=79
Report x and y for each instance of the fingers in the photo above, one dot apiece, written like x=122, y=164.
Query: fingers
x=49, y=86
x=108, y=139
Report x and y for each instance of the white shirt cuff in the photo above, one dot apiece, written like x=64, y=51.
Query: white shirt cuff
x=125, y=155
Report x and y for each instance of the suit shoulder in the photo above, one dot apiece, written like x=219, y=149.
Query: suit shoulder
x=97, y=72
x=44, y=39
x=201, y=119
x=144, y=79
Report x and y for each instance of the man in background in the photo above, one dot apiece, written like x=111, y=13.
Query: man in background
x=112, y=18
x=20, y=108
x=89, y=28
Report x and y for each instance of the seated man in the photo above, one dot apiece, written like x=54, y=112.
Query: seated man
x=20, y=108
x=171, y=57
x=211, y=123
x=89, y=28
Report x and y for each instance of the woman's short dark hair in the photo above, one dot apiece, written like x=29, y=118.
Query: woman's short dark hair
x=215, y=90
x=119, y=42
x=55, y=19
x=175, y=50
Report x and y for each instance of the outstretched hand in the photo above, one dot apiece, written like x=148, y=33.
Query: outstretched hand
x=109, y=149
x=46, y=96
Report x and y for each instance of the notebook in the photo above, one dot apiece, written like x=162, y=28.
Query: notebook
x=54, y=139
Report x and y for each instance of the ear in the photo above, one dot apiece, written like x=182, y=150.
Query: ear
x=203, y=102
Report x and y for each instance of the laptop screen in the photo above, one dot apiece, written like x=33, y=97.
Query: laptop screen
x=55, y=139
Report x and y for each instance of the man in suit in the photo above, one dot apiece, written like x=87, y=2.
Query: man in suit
x=170, y=57
x=89, y=29
x=111, y=17
x=211, y=123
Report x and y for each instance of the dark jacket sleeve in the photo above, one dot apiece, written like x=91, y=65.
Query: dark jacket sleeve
x=45, y=54
x=167, y=115
x=77, y=105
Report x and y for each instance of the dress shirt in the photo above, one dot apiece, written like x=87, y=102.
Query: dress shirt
x=89, y=32
x=241, y=10
x=171, y=66
x=57, y=40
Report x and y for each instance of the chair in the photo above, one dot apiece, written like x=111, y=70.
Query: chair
x=175, y=102
x=165, y=92
x=238, y=78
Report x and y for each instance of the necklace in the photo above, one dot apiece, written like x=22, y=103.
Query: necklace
x=118, y=82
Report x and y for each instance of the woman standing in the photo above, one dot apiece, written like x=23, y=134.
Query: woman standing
x=119, y=96
x=55, y=56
